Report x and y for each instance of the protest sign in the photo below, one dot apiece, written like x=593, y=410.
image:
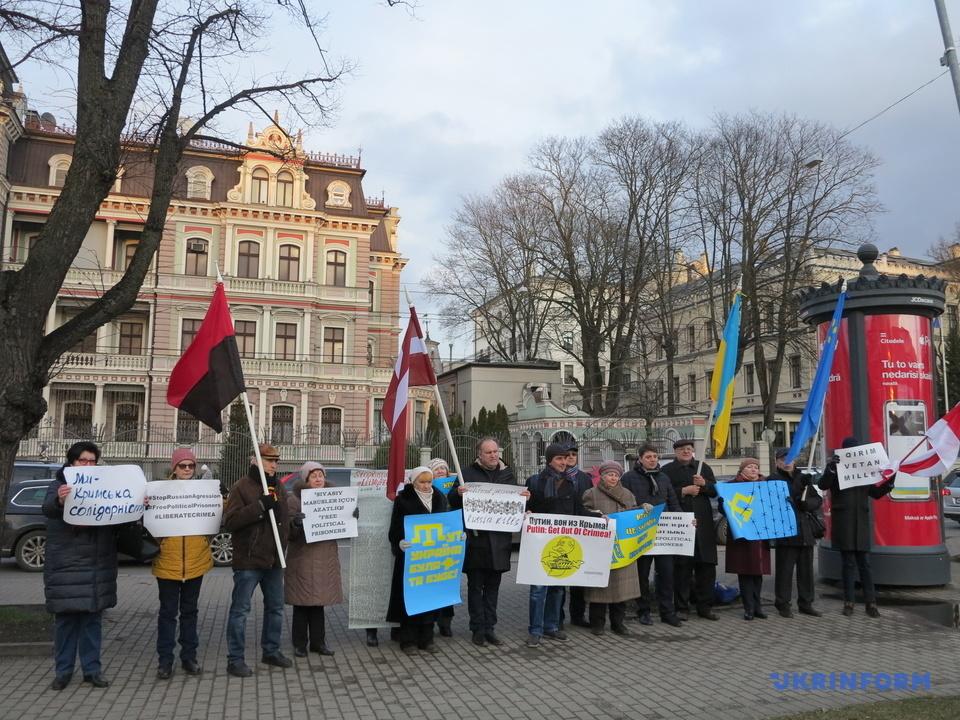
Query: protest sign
x=676, y=534
x=861, y=465
x=492, y=506
x=758, y=510
x=565, y=550
x=104, y=494
x=371, y=558
x=432, y=563
x=329, y=513
x=183, y=507
x=444, y=484
x=636, y=530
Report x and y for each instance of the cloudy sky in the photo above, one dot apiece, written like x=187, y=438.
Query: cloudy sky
x=447, y=100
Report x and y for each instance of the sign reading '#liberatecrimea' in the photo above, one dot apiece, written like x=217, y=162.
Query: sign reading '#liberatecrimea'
x=183, y=507
x=104, y=494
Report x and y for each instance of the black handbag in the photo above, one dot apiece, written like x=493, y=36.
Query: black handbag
x=815, y=518
x=134, y=540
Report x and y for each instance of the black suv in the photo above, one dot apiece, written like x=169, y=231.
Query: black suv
x=23, y=534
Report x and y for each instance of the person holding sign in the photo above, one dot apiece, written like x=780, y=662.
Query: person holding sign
x=441, y=471
x=583, y=482
x=179, y=569
x=79, y=578
x=419, y=497
x=850, y=530
x=255, y=560
x=650, y=486
x=749, y=559
x=610, y=496
x=312, y=579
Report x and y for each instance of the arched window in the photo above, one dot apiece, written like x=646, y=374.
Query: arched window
x=196, y=260
x=289, y=266
x=336, y=268
x=331, y=420
x=126, y=423
x=338, y=194
x=258, y=186
x=248, y=259
x=59, y=165
x=199, y=180
x=78, y=420
x=281, y=424
x=285, y=189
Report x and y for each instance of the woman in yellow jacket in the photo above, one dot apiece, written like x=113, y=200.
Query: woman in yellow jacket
x=179, y=569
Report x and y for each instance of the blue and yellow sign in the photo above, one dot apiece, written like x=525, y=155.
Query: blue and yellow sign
x=636, y=532
x=758, y=510
x=444, y=484
x=432, y=564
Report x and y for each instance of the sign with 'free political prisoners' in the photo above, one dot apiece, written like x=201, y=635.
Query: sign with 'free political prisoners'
x=104, y=495
x=861, y=465
x=566, y=550
x=183, y=507
x=329, y=513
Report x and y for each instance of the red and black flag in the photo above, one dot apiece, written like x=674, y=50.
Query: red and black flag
x=209, y=376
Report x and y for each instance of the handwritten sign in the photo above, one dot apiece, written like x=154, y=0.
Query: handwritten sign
x=565, y=550
x=861, y=465
x=432, y=564
x=329, y=513
x=493, y=506
x=371, y=559
x=676, y=534
x=183, y=507
x=444, y=484
x=104, y=494
x=636, y=532
x=758, y=510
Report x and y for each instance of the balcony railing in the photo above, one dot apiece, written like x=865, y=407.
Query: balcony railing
x=105, y=361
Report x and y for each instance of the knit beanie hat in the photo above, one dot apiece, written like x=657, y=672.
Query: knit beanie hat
x=309, y=467
x=611, y=465
x=181, y=454
x=749, y=461
x=417, y=472
x=438, y=463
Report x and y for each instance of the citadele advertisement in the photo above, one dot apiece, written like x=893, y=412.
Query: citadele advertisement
x=838, y=405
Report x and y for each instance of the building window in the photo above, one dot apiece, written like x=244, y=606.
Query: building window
x=285, y=189
x=246, y=334
x=709, y=376
x=793, y=430
x=129, y=249
x=126, y=424
x=420, y=418
x=258, y=186
x=78, y=420
x=131, y=338
x=795, y=379
x=626, y=378
x=281, y=425
x=748, y=386
x=692, y=387
x=189, y=328
x=199, y=180
x=566, y=341
x=196, y=263
x=660, y=391
x=336, y=268
x=333, y=345
x=676, y=388
x=370, y=295
x=380, y=431
x=780, y=434
x=733, y=439
x=659, y=345
x=248, y=259
x=951, y=318
x=691, y=338
x=188, y=429
x=289, y=267
x=758, y=432
x=286, y=341
x=87, y=345
x=338, y=194
x=59, y=166
x=330, y=422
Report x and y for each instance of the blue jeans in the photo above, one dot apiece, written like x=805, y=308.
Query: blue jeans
x=178, y=599
x=546, y=603
x=244, y=583
x=81, y=630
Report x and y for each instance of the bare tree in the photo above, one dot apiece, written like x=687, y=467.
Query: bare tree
x=139, y=70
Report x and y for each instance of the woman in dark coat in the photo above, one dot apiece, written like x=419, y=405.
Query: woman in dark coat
x=749, y=559
x=419, y=497
x=79, y=578
x=851, y=530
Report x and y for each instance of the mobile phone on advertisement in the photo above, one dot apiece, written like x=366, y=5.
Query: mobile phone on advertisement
x=904, y=423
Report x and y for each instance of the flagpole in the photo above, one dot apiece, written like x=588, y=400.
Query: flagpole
x=446, y=431
x=263, y=477
x=706, y=439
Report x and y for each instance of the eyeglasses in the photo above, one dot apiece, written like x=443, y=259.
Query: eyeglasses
x=86, y=461
x=271, y=459
x=186, y=466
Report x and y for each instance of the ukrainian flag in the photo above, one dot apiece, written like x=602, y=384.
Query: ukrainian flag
x=724, y=370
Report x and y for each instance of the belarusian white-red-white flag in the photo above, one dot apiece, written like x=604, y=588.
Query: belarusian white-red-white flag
x=412, y=369
x=944, y=439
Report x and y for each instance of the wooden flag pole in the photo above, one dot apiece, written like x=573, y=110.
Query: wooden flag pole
x=706, y=439
x=446, y=431
x=263, y=477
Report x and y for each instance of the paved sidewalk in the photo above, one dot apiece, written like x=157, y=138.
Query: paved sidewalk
x=705, y=669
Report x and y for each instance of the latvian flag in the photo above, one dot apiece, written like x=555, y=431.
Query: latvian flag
x=944, y=439
x=412, y=369
x=209, y=376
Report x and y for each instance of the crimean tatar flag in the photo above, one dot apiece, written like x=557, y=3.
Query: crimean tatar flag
x=724, y=370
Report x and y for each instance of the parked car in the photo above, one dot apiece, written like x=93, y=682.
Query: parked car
x=951, y=496
x=23, y=535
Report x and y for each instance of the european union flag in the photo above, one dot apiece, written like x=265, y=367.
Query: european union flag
x=810, y=420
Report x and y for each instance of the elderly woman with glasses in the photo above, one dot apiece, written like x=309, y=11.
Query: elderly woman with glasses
x=179, y=569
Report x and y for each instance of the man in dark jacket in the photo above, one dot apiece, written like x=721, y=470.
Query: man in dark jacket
x=255, y=560
x=488, y=552
x=797, y=551
x=79, y=578
x=694, y=491
x=551, y=492
x=651, y=487
x=851, y=530
x=583, y=482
